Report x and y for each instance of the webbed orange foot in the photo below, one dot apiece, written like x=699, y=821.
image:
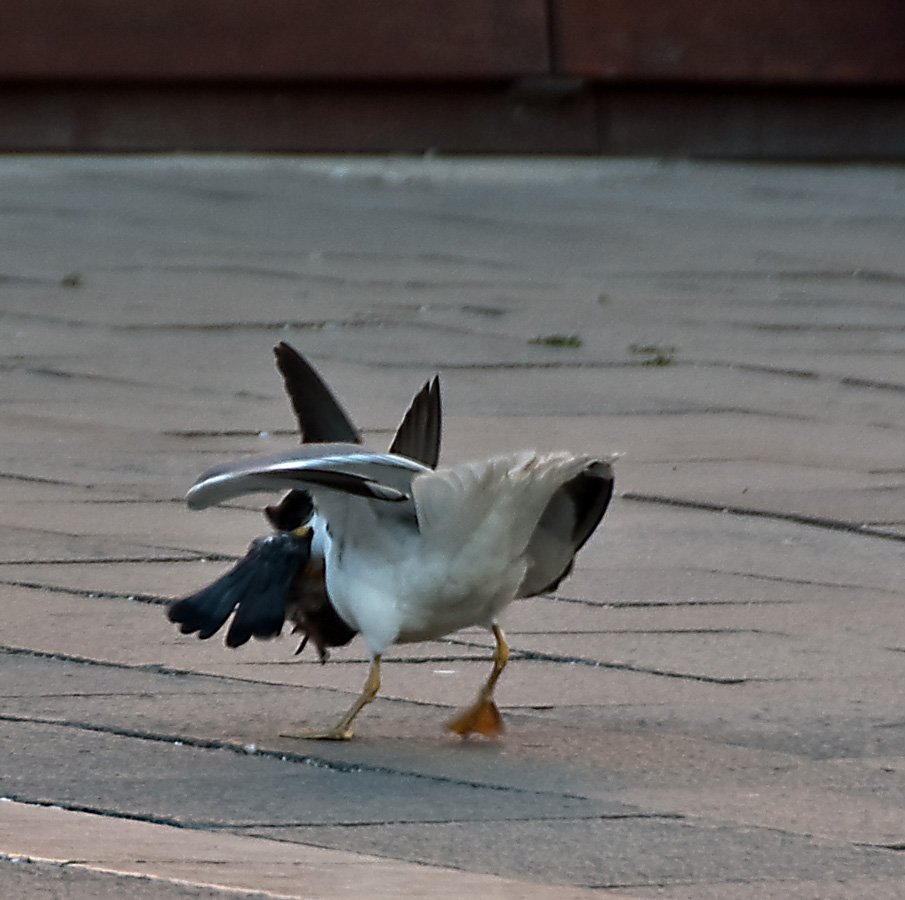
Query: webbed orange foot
x=481, y=718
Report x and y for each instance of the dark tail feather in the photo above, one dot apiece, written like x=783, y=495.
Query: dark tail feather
x=571, y=517
x=590, y=492
x=418, y=435
x=261, y=614
x=256, y=587
x=206, y=611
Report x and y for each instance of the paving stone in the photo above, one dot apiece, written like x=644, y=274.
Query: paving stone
x=708, y=707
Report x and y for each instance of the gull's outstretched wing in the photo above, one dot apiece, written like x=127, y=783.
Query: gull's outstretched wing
x=321, y=418
x=340, y=467
x=418, y=435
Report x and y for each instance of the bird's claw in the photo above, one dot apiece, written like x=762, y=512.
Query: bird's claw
x=332, y=734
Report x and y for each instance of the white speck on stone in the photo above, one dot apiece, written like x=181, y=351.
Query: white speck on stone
x=250, y=748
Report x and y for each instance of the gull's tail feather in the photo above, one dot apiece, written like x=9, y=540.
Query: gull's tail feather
x=569, y=519
x=513, y=488
x=256, y=588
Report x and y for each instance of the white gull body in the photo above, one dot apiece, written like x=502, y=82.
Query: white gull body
x=413, y=553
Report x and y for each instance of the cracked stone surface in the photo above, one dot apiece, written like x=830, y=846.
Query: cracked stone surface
x=710, y=706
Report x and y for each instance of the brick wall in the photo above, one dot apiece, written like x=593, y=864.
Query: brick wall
x=693, y=77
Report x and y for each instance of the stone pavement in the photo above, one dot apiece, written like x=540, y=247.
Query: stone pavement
x=710, y=707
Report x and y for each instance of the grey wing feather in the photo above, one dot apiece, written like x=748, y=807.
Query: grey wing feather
x=340, y=467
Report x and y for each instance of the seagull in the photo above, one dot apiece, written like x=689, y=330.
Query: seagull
x=282, y=575
x=413, y=553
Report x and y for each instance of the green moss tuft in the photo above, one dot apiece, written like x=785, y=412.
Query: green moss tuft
x=72, y=280
x=656, y=355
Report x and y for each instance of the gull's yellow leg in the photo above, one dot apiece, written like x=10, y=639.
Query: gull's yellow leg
x=342, y=730
x=483, y=716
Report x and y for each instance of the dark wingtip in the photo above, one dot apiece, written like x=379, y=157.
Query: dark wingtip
x=320, y=416
x=419, y=434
